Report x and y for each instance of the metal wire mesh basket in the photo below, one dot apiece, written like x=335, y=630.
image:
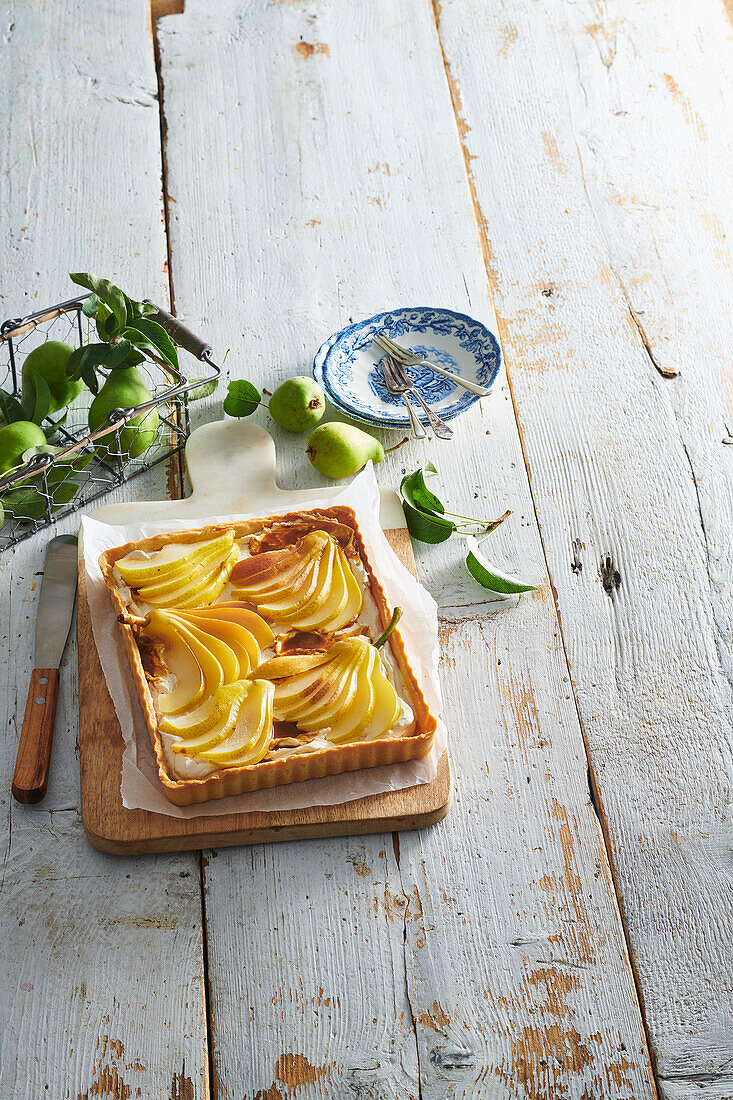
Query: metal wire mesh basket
x=88, y=464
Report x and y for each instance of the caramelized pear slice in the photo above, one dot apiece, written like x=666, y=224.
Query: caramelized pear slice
x=291, y=596
x=385, y=713
x=321, y=592
x=218, y=648
x=296, y=695
x=347, y=722
x=203, y=718
x=209, y=559
x=172, y=561
x=344, y=601
x=258, y=571
x=250, y=738
x=266, y=575
x=182, y=664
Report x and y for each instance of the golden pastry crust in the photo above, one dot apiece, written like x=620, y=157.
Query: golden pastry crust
x=298, y=766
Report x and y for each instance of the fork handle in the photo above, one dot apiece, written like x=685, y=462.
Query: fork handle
x=417, y=429
x=472, y=387
x=441, y=429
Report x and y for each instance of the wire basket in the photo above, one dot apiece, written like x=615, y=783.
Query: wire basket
x=87, y=464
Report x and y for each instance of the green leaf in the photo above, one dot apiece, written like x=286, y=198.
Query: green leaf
x=425, y=527
x=136, y=310
x=416, y=492
x=242, y=398
x=10, y=409
x=157, y=338
x=423, y=510
x=489, y=576
x=89, y=376
x=117, y=354
x=108, y=293
x=90, y=305
x=37, y=401
x=133, y=358
x=53, y=425
x=104, y=318
x=87, y=357
x=204, y=390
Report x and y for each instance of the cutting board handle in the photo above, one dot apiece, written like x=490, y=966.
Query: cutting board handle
x=30, y=779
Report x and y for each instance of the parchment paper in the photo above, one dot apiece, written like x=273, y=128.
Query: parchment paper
x=140, y=786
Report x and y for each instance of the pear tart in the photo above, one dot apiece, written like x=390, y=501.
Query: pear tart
x=251, y=646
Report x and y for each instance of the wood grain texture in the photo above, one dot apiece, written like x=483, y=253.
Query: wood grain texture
x=30, y=777
x=102, y=986
x=484, y=957
x=606, y=243
x=112, y=828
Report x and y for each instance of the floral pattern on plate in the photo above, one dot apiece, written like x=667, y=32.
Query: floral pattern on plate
x=347, y=364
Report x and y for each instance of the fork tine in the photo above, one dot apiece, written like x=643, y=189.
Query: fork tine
x=381, y=343
x=394, y=349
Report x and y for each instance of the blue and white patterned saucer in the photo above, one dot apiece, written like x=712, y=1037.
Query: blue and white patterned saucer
x=347, y=364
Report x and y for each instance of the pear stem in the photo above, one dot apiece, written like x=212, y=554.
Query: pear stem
x=396, y=616
x=388, y=450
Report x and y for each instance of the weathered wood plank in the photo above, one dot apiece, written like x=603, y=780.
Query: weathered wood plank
x=102, y=960
x=614, y=163
x=488, y=959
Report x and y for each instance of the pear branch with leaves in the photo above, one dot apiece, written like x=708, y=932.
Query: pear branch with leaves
x=126, y=330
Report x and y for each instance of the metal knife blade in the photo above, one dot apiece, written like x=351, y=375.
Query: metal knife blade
x=56, y=601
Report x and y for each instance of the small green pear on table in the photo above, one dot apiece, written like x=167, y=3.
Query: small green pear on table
x=340, y=450
x=298, y=404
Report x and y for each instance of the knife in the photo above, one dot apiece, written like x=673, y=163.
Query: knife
x=55, y=608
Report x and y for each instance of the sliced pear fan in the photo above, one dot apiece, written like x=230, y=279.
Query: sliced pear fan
x=222, y=727
x=201, y=584
x=219, y=649
x=204, y=651
x=320, y=592
x=172, y=561
x=181, y=662
x=346, y=697
x=205, y=716
x=249, y=740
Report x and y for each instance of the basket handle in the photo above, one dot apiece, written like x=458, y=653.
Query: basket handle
x=181, y=335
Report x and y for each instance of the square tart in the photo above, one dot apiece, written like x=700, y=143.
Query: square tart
x=275, y=532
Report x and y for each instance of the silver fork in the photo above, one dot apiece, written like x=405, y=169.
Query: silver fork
x=400, y=388
x=408, y=359
x=441, y=429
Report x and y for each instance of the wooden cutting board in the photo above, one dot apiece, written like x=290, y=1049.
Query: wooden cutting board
x=214, y=455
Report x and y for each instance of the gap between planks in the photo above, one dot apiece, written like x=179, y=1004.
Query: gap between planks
x=492, y=279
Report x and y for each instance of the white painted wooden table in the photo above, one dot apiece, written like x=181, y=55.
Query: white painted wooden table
x=275, y=168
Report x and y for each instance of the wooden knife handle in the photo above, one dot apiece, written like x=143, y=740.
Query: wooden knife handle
x=34, y=751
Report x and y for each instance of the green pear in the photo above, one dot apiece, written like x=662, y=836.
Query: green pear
x=298, y=404
x=49, y=361
x=15, y=439
x=125, y=387
x=339, y=450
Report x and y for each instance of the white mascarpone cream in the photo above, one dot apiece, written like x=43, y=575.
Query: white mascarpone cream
x=185, y=767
